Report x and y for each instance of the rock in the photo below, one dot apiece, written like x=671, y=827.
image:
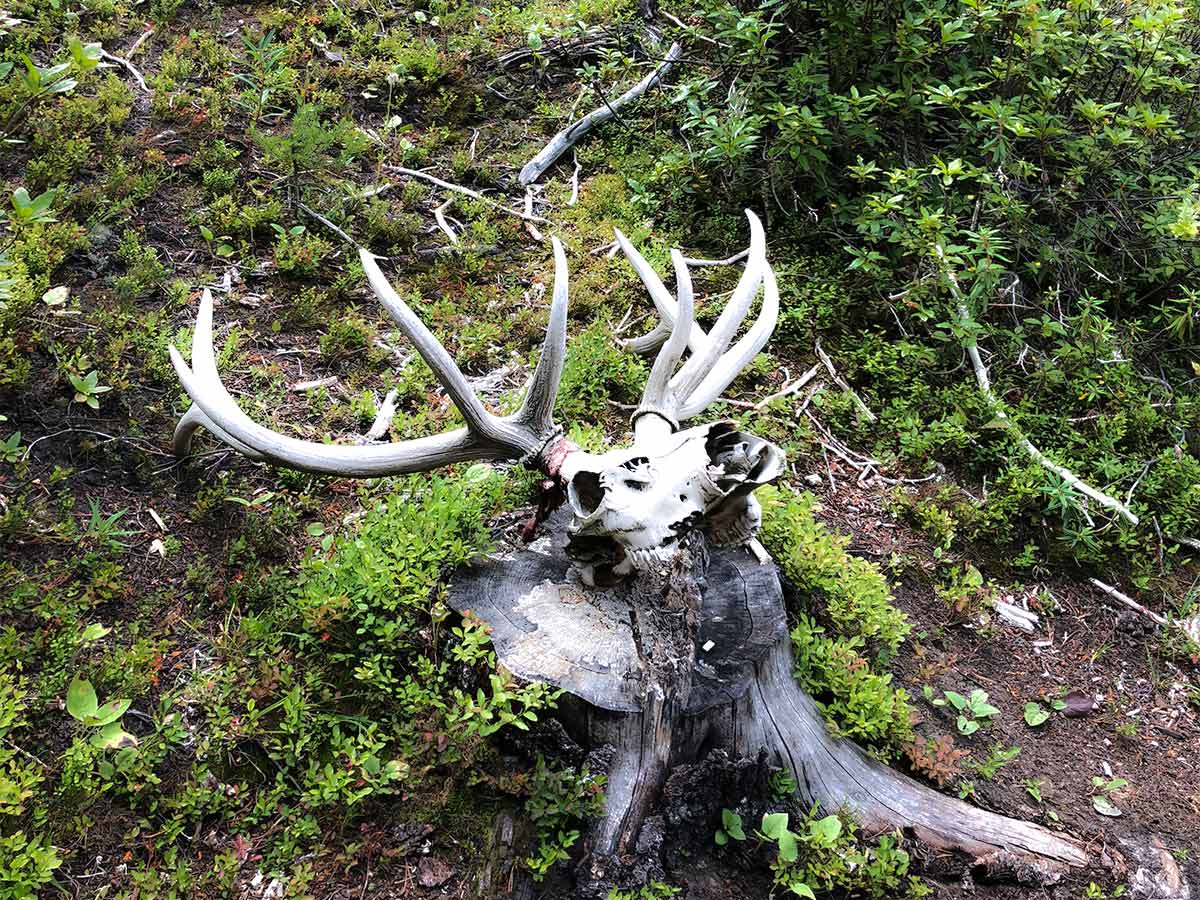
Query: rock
x=433, y=871
x=1153, y=872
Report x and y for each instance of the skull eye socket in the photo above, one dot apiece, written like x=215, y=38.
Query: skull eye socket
x=585, y=493
x=634, y=485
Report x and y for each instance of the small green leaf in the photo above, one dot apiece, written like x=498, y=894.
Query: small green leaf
x=800, y=889
x=732, y=823
x=774, y=824
x=81, y=699
x=113, y=737
x=1105, y=807
x=827, y=829
x=107, y=714
x=788, y=850
x=720, y=838
x=1035, y=714
x=94, y=632
x=957, y=700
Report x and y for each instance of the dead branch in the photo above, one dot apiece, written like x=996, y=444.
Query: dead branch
x=324, y=221
x=567, y=138
x=383, y=418
x=985, y=387
x=303, y=387
x=449, y=186
x=788, y=390
x=863, y=409
x=529, y=226
x=128, y=66
x=440, y=215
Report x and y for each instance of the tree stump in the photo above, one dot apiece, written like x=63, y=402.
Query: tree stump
x=668, y=665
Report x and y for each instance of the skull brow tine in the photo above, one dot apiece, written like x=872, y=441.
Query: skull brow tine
x=700, y=364
x=697, y=340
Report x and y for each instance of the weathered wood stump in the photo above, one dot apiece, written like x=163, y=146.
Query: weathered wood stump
x=668, y=665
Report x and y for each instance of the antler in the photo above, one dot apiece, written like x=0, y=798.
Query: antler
x=524, y=435
x=673, y=397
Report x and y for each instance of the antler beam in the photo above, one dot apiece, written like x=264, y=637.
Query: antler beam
x=523, y=435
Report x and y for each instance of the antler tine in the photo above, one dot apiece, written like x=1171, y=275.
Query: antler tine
x=699, y=365
x=657, y=397
x=667, y=308
x=478, y=420
x=732, y=363
x=208, y=393
x=537, y=412
x=649, y=342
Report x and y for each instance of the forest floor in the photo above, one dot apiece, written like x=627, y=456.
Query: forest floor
x=281, y=751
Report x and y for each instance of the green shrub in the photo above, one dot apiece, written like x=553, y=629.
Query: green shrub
x=856, y=702
x=596, y=371
x=300, y=253
x=824, y=857
x=26, y=865
x=856, y=598
x=559, y=799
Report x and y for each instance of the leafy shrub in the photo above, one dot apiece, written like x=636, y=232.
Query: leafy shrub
x=300, y=253
x=825, y=857
x=596, y=370
x=855, y=701
x=558, y=800
x=856, y=597
x=25, y=865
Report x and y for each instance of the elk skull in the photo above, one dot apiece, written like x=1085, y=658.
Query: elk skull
x=631, y=506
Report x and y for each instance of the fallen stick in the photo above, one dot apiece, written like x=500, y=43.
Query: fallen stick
x=985, y=387
x=575, y=185
x=1129, y=601
x=383, y=418
x=132, y=69
x=440, y=215
x=450, y=186
x=301, y=387
x=567, y=138
x=793, y=388
x=1190, y=627
x=142, y=38
x=529, y=226
x=695, y=262
x=324, y=221
x=1015, y=615
x=863, y=409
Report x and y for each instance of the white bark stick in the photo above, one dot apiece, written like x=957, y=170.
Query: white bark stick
x=1129, y=601
x=794, y=388
x=450, y=186
x=440, y=215
x=985, y=387
x=569, y=136
x=130, y=67
x=844, y=385
x=383, y=418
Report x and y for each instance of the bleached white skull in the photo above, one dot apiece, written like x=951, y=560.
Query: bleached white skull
x=632, y=506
